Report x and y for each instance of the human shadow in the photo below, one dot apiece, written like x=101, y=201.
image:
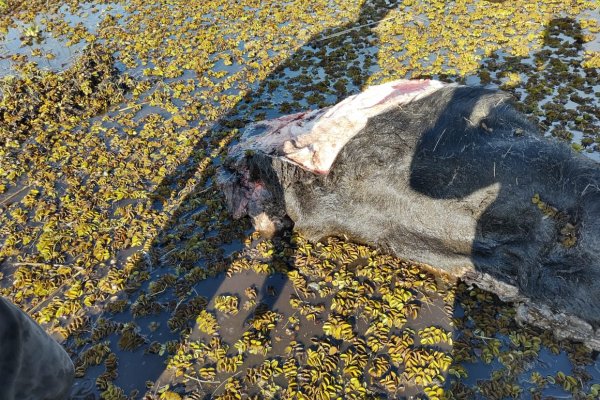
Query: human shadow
x=195, y=246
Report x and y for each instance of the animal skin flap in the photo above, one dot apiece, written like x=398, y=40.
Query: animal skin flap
x=313, y=139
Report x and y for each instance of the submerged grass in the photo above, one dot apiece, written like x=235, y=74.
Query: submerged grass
x=115, y=238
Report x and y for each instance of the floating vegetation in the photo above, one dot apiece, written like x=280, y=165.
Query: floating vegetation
x=38, y=100
x=207, y=323
x=130, y=338
x=227, y=304
x=114, y=237
x=338, y=328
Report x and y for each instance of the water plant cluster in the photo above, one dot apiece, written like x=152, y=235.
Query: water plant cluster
x=114, y=236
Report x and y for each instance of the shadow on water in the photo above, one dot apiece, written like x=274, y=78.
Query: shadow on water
x=339, y=61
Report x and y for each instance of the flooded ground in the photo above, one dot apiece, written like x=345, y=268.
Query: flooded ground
x=115, y=238
x=36, y=41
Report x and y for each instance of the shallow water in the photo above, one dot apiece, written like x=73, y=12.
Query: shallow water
x=61, y=53
x=177, y=216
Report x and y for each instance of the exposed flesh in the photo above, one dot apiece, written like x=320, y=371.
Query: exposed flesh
x=312, y=139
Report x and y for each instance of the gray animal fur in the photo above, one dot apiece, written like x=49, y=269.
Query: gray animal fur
x=448, y=180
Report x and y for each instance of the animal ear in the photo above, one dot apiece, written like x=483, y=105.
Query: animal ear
x=299, y=139
x=485, y=107
x=311, y=156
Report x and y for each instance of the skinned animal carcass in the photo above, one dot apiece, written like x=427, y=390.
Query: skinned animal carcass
x=446, y=175
x=32, y=365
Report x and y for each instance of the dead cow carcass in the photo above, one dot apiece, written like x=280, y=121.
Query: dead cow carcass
x=448, y=175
